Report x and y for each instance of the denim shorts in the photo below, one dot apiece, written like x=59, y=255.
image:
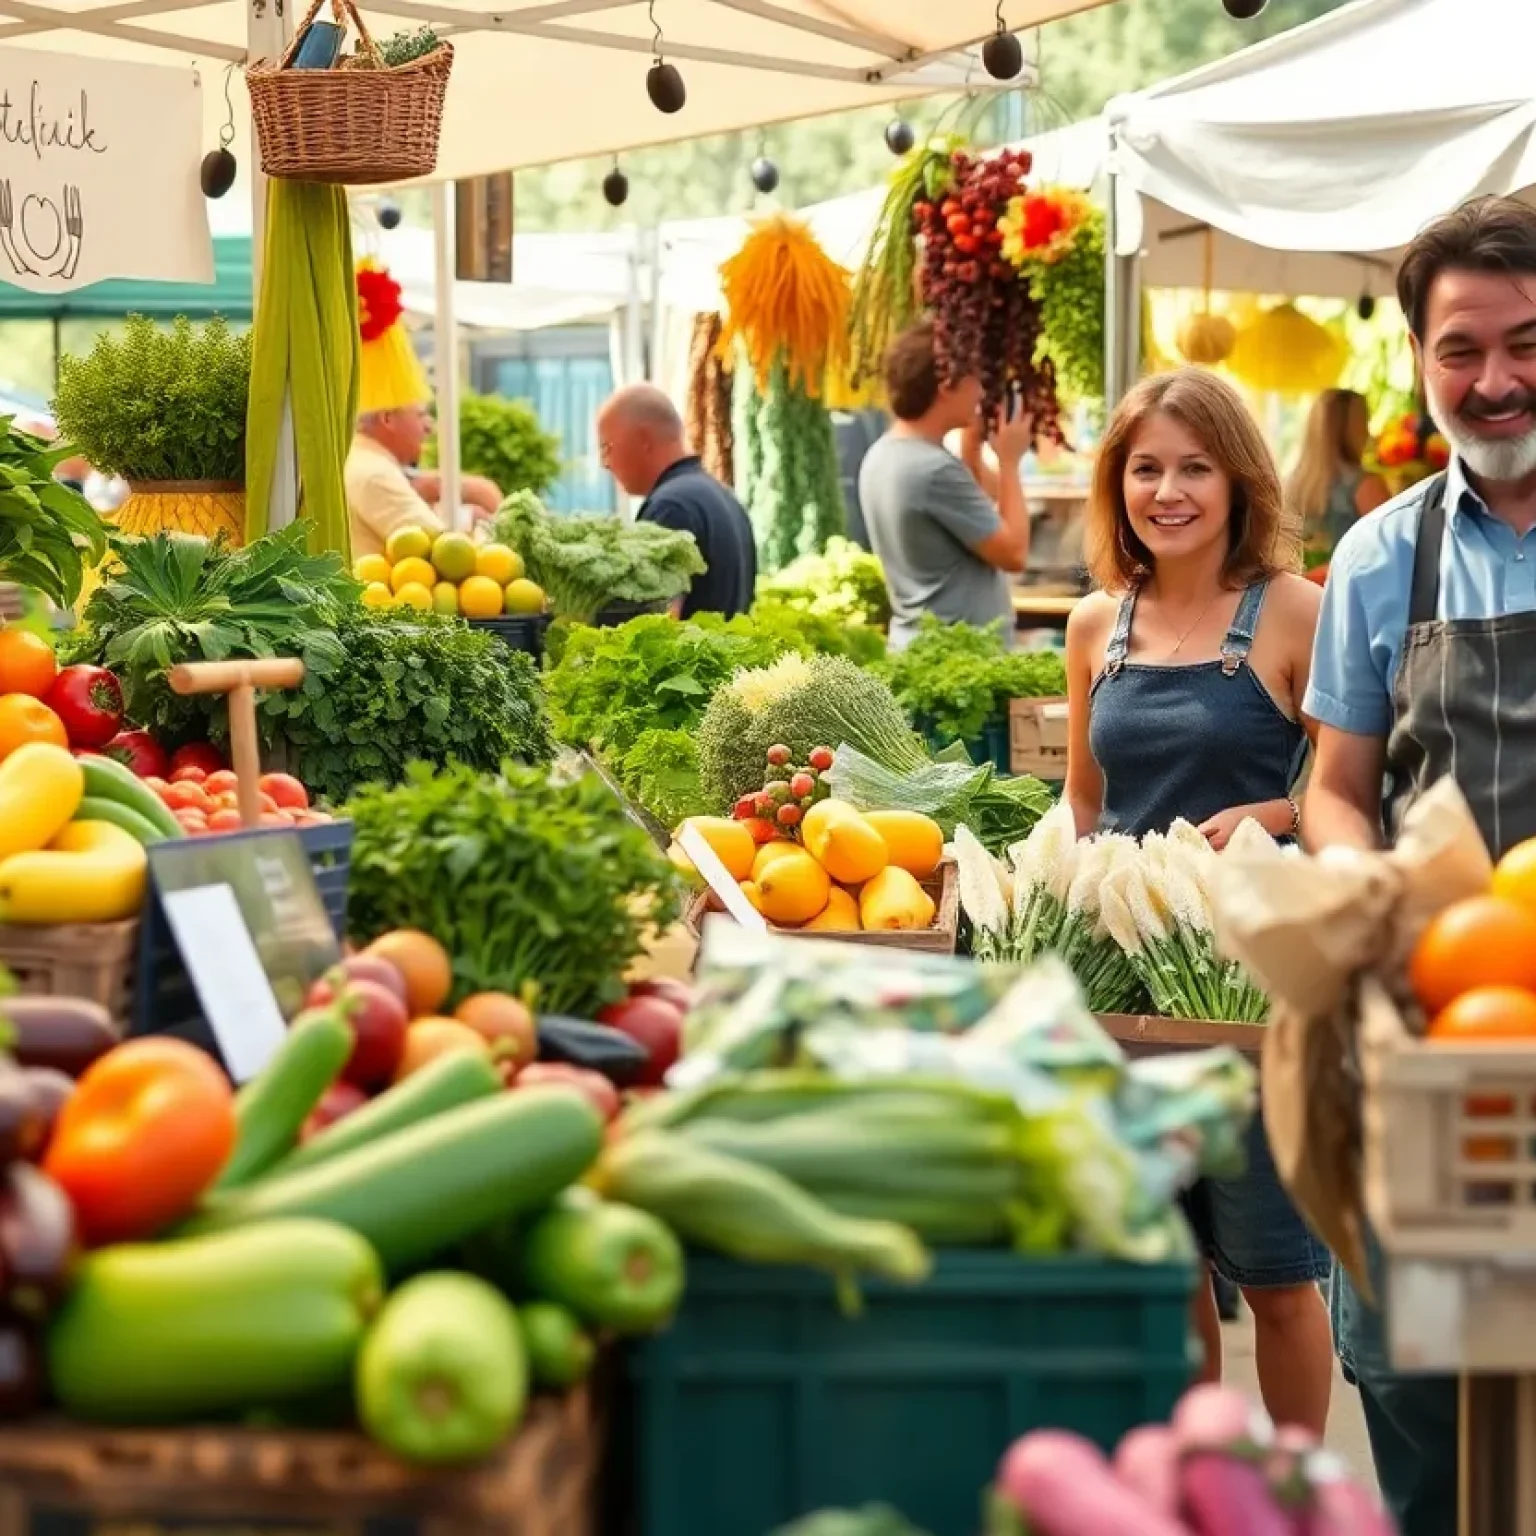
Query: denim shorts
x=1249, y=1230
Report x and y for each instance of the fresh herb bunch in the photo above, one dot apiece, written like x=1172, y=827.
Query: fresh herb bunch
x=159, y=404
x=660, y=773
x=1070, y=291
x=413, y=687
x=844, y=582
x=609, y=686
x=503, y=440
x=46, y=529
x=814, y=634
x=406, y=47
x=179, y=597
x=585, y=563
x=527, y=879
x=954, y=680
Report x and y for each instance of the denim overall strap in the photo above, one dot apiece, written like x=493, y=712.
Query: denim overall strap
x=1119, y=646
x=1245, y=624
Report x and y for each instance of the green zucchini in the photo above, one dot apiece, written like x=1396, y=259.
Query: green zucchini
x=271, y=1109
x=455, y=1078
x=107, y=779
x=418, y=1192
x=95, y=808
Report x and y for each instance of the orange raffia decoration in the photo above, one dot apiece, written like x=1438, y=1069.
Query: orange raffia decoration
x=786, y=298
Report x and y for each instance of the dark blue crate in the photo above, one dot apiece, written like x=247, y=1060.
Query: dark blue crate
x=518, y=632
x=165, y=1001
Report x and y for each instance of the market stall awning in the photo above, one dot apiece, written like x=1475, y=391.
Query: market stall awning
x=537, y=81
x=1316, y=155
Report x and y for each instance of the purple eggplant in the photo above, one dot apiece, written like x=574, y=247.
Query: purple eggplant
x=50, y=1090
x=65, y=1033
x=38, y=1240
x=23, y=1122
x=21, y=1369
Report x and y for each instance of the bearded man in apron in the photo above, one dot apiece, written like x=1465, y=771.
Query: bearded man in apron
x=1425, y=665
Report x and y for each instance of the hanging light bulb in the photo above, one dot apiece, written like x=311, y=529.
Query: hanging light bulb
x=1002, y=53
x=1365, y=306
x=615, y=188
x=663, y=83
x=765, y=174
x=388, y=214
x=216, y=175
x=899, y=137
x=1244, y=10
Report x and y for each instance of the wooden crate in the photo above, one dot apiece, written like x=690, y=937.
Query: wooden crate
x=541, y=1483
x=96, y=961
x=1037, y=737
x=940, y=939
x=1149, y=1034
x=1449, y=1134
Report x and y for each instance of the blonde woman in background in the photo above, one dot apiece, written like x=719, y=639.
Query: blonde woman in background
x=1329, y=490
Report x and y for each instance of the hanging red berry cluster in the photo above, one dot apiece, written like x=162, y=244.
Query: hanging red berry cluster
x=986, y=320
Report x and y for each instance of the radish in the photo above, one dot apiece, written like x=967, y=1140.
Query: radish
x=1340, y=1506
x=1212, y=1417
x=1285, y=1466
x=1223, y=1491
x=1147, y=1461
x=1063, y=1486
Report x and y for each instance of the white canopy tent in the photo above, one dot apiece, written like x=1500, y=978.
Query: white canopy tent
x=1313, y=157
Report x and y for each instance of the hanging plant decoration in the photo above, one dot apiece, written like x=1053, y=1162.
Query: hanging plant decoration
x=1054, y=238
x=786, y=302
x=987, y=320
x=1206, y=339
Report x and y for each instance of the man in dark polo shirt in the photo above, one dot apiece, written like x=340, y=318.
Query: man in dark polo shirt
x=640, y=436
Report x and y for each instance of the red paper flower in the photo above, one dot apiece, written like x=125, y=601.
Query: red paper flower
x=378, y=302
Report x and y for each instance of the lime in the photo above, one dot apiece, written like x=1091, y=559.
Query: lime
x=524, y=596
x=454, y=556
x=406, y=544
x=377, y=595
x=445, y=597
x=370, y=568
x=414, y=595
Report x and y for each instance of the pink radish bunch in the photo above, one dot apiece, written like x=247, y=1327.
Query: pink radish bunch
x=1219, y=1469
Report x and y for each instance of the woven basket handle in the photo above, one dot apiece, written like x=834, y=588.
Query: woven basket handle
x=342, y=10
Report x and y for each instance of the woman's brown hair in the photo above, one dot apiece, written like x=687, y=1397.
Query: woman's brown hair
x=1325, y=454
x=1263, y=543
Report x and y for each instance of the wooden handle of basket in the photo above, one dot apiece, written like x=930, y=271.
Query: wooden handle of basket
x=239, y=680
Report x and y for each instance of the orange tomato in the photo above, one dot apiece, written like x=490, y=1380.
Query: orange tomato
x=427, y=1039
x=289, y=793
x=26, y=663
x=423, y=962
x=186, y=796
x=24, y=719
x=225, y=821
x=1482, y=941
x=1515, y=876
x=222, y=781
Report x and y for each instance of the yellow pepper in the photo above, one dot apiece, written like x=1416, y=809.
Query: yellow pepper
x=41, y=787
x=92, y=872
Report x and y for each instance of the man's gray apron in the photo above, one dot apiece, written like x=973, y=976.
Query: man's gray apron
x=1464, y=704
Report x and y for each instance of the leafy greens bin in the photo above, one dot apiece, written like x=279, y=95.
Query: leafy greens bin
x=1101, y=1143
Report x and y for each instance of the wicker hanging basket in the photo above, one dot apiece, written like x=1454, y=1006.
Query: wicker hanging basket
x=360, y=124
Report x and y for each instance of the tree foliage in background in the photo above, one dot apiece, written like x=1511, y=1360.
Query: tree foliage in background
x=504, y=441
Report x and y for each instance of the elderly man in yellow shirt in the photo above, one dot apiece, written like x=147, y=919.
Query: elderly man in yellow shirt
x=385, y=490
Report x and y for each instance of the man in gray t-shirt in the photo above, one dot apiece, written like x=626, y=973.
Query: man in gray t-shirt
x=946, y=529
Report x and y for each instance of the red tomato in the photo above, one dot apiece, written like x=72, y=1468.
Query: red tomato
x=190, y=773
x=89, y=700
x=186, y=796
x=286, y=790
x=144, y=1134
x=336, y=1103
x=198, y=754
x=139, y=751
x=267, y=803
x=223, y=781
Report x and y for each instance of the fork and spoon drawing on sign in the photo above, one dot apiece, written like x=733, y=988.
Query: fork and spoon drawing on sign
x=49, y=233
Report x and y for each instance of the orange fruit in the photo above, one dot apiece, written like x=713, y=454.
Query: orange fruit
x=429, y=1038
x=1487, y=1013
x=26, y=663
x=1514, y=878
x=24, y=719
x=1482, y=941
x=423, y=962
x=480, y=598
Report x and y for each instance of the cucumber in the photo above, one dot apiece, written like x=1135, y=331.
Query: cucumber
x=418, y=1192
x=106, y=779
x=455, y=1078
x=272, y=1107
x=95, y=808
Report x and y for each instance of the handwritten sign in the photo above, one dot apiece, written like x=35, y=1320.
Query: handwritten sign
x=98, y=172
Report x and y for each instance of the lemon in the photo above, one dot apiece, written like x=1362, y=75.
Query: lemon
x=413, y=571
x=524, y=596
x=445, y=597
x=414, y=595
x=454, y=555
x=499, y=563
x=407, y=544
x=371, y=568
x=377, y=595
x=480, y=598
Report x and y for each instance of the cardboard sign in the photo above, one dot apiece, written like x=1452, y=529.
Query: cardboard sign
x=99, y=172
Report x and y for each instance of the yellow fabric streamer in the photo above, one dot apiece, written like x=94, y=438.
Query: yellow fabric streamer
x=305, y=345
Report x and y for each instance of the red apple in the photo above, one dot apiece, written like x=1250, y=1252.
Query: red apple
x=654, y=1023
x=378, y=1019
x=337, y=1102
x=668, y=988
x=557, y=1074
x=355, y=968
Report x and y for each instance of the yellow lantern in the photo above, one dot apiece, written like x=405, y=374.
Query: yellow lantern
x=1289, y=353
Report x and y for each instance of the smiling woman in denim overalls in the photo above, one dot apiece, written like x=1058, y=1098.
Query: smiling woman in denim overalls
x=1185, y=675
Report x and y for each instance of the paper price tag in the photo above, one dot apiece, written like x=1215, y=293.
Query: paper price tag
x=220, y=956
x=718, y=877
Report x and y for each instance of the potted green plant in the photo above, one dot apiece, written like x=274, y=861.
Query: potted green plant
x=504, y=441
x=164, y=408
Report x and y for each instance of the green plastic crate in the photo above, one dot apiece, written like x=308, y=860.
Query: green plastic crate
x=763, y=1403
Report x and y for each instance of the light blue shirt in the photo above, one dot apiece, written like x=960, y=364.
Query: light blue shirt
x=1486, y=570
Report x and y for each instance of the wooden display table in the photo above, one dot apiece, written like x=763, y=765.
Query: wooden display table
x=1042, y=610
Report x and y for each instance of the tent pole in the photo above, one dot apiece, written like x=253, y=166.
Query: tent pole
x=445, y=355
x=268, y=28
